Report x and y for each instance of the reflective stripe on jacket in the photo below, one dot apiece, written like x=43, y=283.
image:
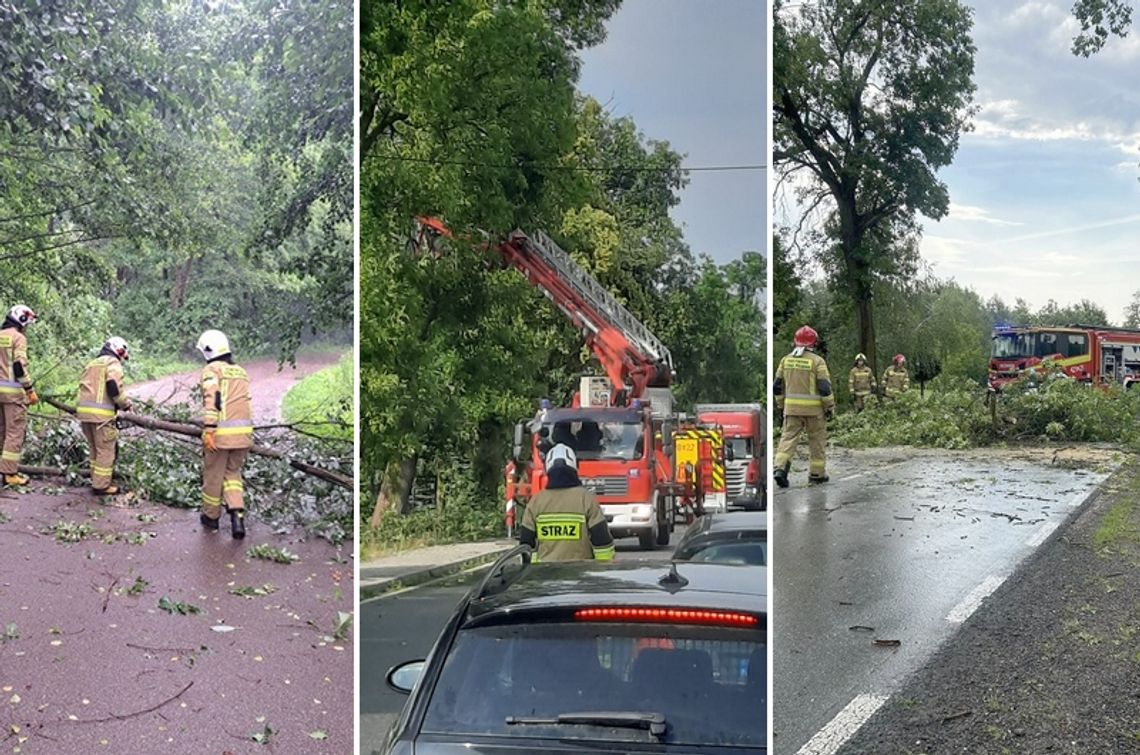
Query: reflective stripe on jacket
x=803, y=385
x=895, y=381
x=861, y=381
x=13, y=350
x=227, y=404
x=94, y=404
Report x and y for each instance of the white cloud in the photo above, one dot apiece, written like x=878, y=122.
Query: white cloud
x=974, y=213
x=942, y=250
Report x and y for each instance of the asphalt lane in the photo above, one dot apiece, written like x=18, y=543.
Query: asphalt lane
x=404, y=626
x=898, y=549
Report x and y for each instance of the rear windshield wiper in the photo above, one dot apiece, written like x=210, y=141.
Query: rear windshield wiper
x=653, y=722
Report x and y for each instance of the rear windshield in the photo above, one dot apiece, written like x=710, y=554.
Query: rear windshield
x=708, y=683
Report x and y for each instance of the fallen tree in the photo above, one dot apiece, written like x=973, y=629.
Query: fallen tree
x=194, y=429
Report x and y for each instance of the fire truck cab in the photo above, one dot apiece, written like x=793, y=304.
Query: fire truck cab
x=743, y=426
x=1098, y=355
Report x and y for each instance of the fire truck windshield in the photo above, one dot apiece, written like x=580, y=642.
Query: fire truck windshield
x=599, y=439
x=1039, y=344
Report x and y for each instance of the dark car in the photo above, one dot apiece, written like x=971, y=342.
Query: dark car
x=587, y=657
x=733, y=538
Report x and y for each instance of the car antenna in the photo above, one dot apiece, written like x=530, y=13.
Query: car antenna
x=673, y=581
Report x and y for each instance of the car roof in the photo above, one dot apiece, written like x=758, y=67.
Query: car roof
x=730, y=521
x=577, y=584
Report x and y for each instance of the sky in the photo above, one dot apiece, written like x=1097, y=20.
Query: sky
x=1045, y=201
x=694, y=73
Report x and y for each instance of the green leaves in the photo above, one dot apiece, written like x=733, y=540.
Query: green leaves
x=178, y=608
x=268, y=552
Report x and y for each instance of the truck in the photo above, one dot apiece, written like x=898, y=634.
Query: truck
x=1095, y=354
x=744, y=430
x=620, y=425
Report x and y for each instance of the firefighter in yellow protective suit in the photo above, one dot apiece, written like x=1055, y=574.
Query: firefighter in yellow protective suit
x=16, y=392
x=564, y=521
x=860, y=382
x=101, y=396
x=895, y=378
x=803, y=394
x=227, y=434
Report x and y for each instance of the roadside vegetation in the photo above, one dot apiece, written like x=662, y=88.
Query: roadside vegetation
x=321, y=403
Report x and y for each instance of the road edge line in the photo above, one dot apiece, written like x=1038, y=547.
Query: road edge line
x=385, y=587
x=838, y=730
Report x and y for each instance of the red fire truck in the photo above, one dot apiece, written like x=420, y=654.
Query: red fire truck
x=621, y=425
x=744, y=431
x=1095, y=354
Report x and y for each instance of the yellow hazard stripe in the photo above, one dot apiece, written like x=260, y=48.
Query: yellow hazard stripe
x=234, y=431
x=803, y=402
x=605, y=553
x=10, y=455
x=232, y=485
x=210, y=499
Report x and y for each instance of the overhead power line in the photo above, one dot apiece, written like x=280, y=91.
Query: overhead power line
x=576, y=168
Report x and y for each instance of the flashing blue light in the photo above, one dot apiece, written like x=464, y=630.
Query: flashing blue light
x=544, y=403
x=636, y=403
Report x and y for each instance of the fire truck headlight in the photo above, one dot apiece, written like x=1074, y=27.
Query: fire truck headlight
x=642, y=511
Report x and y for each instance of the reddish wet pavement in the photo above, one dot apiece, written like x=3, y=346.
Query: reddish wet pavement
x=90, y=668
x=267, y=384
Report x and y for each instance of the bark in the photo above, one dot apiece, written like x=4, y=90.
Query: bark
x=181, y=283
x=395, y=489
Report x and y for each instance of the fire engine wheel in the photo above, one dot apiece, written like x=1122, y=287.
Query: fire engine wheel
x=662, y=535
x=646, y=540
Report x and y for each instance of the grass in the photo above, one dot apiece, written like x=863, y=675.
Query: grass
x=324, y=396
x=1118, y=527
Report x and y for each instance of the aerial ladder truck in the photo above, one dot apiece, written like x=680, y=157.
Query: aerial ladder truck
x=621, y=426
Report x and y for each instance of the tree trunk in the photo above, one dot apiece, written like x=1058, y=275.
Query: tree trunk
x=395, y=489
x=181, y=283
x=865, y=317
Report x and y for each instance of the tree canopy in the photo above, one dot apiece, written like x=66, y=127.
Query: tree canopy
x=168, y=167
x=469, y=113
x=869, y=100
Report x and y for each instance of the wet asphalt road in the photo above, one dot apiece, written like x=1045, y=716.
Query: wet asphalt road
x=404, y=627
x=893, y=548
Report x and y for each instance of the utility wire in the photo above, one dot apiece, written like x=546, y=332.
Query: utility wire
x=578, y=168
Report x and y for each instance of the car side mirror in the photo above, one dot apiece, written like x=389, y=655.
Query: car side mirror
x=403, y=678
x=729, y=454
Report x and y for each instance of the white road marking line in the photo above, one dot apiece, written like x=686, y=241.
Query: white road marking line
x=1042, y=534
x=851, y=476
x=970, y=603
x=830, y=738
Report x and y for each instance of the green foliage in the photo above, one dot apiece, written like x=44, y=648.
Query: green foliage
x=71, y=532
x=252, y=591
x=454, y=350
x=1098, y=19
x=267, y=552
x=321, y=403
x=954, y=414
x=177, y=608
x=869, y=101
x=461, y=520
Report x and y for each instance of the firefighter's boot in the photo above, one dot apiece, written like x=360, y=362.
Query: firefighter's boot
x=109, y=490
x=781, y=475
x=817, y=479
x=237, y=523
x=207, y=522
x=15, y=479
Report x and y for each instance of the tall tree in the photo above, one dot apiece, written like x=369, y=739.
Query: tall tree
x=1099, y=19
x=869, y=101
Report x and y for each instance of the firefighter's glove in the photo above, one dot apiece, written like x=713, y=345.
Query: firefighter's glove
x=33, y=399
x=828, y=414
x=209, y=439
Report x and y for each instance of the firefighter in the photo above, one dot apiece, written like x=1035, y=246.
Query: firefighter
x=101, y=396
x=895, y=378
x=803, y=394
x=16, y=391
x=564, y=522
x=860, y=382
x=227, y=433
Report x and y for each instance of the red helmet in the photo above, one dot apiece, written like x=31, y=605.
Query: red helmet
x=806, y=337
x=900, y=359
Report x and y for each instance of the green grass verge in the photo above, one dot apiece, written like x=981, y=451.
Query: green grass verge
x=322, y=398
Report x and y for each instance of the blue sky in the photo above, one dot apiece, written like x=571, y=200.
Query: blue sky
x=1044, y=192
x=694, y=73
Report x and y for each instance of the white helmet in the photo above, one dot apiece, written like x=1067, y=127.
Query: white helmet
x=213, y=344
x=561, y=454
x=118, y=347
x=21, y=314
